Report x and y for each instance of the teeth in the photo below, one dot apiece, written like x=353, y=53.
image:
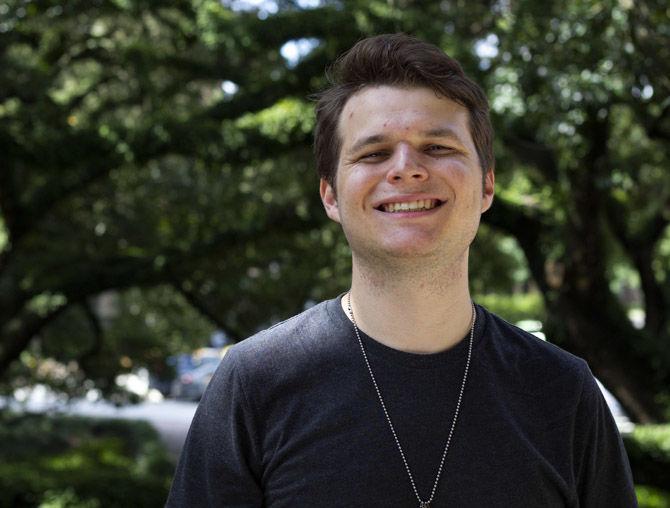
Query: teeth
x=418, y=205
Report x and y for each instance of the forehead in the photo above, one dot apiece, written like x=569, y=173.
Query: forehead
x=395, y=111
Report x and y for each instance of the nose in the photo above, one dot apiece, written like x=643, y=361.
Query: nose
x=405, y=165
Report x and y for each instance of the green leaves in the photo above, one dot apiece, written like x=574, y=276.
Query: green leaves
x=165, y=148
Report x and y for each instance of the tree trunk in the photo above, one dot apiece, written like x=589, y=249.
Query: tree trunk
x=584, y=314
x=654, y=298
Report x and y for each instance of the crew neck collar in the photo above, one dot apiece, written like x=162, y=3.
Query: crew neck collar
x=376, y=349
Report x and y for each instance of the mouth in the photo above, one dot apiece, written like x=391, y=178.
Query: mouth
x=419, y=205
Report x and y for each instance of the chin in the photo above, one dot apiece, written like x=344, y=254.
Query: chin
x=403, y=253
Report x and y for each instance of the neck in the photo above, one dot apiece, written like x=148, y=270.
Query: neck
x=417, y=311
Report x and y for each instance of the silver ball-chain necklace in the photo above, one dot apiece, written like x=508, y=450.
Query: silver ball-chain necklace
x=422, y=503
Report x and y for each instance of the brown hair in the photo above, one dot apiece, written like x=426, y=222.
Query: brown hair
x=396, y=60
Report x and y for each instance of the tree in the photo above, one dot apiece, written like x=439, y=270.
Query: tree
x=153, y=143
x=167, y=145
x=583, y=113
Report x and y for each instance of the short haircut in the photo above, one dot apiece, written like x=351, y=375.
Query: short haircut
x=403, y=61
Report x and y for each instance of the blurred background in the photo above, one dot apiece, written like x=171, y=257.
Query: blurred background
x=158, y=202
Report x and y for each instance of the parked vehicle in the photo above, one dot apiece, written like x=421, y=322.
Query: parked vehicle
x=196, y=373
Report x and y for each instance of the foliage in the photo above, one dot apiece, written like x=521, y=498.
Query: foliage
x=514, y=308
x=648, y=497
x=648, y=449
x=159, y=321
x=498, y=265
x=653, y=439
x=58, y=461
x=160, y=151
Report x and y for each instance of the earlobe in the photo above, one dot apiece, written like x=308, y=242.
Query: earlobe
x=329, y=200
x=489, y=190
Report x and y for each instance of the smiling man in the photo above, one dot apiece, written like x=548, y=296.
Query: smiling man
x=402, y=392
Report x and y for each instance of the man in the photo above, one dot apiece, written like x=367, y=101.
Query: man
x=402, y=393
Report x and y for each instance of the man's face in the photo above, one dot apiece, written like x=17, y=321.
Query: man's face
x=408, y=180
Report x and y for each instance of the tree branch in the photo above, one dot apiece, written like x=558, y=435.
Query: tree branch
x=17, y=334
x=528, y=229
x=201, y=306
x=98, y=336
x=535, y=153
x=640, y=248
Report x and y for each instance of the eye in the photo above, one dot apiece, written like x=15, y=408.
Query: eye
x=374, y=156
x=439, y=150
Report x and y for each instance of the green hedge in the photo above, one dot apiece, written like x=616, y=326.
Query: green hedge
x=648, y=497
x=64, y=461
x=516, y=307
x=648, y=449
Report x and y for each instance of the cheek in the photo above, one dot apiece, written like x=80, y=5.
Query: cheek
x=458, y=174
x=361, y=172
x=466, y=181
x=356, y=182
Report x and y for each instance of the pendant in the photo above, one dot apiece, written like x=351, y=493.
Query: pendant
x=424, y=504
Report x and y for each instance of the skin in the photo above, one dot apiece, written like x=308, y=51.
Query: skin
x=410, y=269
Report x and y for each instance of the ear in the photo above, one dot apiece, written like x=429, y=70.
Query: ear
x=329, y=200
x=489, y=190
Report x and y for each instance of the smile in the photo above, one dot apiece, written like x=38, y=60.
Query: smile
x=419, y=205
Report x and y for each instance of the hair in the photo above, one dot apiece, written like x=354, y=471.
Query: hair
x=403, y=61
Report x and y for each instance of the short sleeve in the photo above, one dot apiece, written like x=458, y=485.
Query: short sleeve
x=219, y=464
x=602, y=470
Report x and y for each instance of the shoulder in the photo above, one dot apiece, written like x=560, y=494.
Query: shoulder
x=307, y=330
x=529, y=364
x=295, y=347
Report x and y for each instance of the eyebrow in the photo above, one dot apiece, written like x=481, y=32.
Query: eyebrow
x=440, y=132
x=443, y=132
x=369, y=140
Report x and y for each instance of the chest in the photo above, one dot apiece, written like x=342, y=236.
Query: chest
x=333, y=446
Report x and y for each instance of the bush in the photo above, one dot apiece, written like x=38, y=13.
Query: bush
x=648, y=449
x=515, y=307
x=648, y=497
x=65, y=461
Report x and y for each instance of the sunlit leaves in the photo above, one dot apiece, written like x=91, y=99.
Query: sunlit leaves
x=279, y=121
x=169, y=143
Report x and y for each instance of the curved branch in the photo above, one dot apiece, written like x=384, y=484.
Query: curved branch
x=17, y=334
x=640, y=249
x=197, y=303
x=535, y=153
x=528, y=229
x=98, y=335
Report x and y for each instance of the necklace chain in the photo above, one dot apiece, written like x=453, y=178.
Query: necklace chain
x=422, y=503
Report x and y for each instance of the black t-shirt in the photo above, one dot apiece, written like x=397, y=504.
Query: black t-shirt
x=291, y=419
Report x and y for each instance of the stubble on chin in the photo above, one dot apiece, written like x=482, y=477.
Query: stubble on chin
x=383, y=271
x=388, y=267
